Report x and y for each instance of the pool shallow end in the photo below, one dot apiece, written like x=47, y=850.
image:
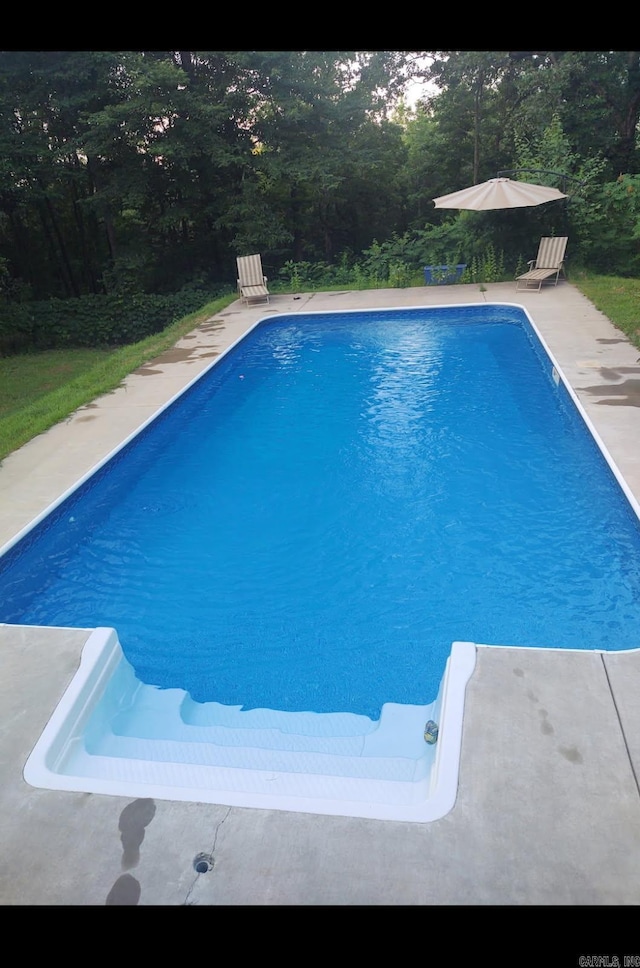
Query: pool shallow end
x=307, y=762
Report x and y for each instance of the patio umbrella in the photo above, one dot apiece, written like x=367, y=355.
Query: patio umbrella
x=499, y=193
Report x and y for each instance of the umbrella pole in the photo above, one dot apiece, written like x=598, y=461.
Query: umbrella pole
x=506, y=172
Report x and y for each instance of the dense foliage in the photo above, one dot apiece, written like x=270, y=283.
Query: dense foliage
x=146, y=172
x=115, y=319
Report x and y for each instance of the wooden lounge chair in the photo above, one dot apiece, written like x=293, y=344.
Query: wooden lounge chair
x=546, y=267
x=252, y=284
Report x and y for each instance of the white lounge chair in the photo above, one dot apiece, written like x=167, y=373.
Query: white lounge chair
x=252, y=283
x=546, y=267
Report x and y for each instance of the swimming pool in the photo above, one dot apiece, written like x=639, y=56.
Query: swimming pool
x=425, y=439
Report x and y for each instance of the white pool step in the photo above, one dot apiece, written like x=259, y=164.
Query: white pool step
x=266, y=759
x=140, y=722
x=110, y=734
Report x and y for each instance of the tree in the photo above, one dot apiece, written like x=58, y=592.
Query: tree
x=596, y=95
x=142, y=169
x=317, y=119
x=77, y=126
x=471, y=108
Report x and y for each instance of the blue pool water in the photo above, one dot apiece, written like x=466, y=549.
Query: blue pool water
x=334, y=503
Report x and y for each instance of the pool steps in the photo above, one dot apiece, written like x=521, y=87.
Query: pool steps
x=113, y=734
x=140, y=722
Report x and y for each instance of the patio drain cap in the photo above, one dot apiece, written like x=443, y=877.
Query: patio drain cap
x=202, y=863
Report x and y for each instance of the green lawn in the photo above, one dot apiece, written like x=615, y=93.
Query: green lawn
x=37, y=390
x=30, y=376
x=617, y=298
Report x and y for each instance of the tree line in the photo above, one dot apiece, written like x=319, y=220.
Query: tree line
x=149, y=171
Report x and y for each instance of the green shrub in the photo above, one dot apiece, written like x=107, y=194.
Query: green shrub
x=487, y=267
x=400, y=275
x=93, y=320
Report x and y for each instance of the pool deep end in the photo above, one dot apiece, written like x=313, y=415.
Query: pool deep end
x=325, y=763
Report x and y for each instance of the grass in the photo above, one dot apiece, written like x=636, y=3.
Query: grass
x=616, y=297
x=38, y=390
x=33, y=375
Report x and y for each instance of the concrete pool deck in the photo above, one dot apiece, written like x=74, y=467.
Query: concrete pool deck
x=548, y=806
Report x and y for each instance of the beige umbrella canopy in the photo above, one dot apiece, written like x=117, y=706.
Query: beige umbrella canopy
x=499, y=193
